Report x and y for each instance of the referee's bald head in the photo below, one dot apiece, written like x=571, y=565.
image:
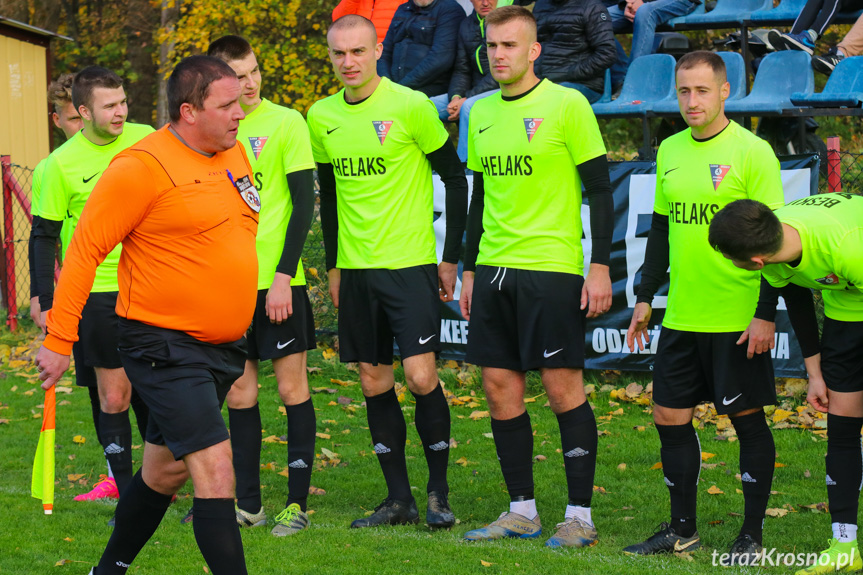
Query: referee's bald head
x=351, y=21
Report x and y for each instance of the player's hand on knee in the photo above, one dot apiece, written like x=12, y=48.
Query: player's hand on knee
x=446, y=274
x=51, y=366
x=816, y=395
x=596, y=293
x=637, y=332
x=760, y=335
x=335, y=279
x=280, y=299
x=466, y=298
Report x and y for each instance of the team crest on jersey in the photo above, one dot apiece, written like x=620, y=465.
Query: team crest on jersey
x=717, y=172
x=258, y=145
x=382, y=128
x=828, y=280
x=531, y=125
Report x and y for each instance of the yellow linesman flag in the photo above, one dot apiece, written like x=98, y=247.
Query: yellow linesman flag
x=42, y=486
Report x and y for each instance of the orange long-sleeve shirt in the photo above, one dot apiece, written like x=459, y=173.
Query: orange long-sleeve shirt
x=188, y=260
x=380, y=12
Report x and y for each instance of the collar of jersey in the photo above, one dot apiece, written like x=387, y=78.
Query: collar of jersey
x=357, y=106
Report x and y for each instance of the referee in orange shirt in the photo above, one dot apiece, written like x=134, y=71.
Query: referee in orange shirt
x=183, y=206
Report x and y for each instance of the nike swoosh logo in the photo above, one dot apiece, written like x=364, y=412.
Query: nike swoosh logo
x=547, y=355
x=425, y=340
x=678, y=547
x=333, y=130
x=671, y=170
x=91, y=177
x=280, y=345
x=726, y=401
x=481, y=130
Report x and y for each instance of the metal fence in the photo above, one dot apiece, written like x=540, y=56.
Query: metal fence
x=841, y=172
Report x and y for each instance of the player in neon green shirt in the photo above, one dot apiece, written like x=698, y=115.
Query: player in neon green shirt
x=70, y=174
x=531, y=146
x=376, y=144
x=283, y=329
x=701, y=354
x=816, y=243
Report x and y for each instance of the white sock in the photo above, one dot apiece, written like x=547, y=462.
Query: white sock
x=526, y=508
x=582, y=513
x=845, y=532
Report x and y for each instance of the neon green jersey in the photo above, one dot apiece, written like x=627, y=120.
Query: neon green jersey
x=527, y=150
x=36, y=187
x=694, y=180
x=384, y=189
x=277, y=143
x=831, y=234
x=71, y=173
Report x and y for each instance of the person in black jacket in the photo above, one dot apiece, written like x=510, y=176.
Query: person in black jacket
x=420, y=45
x=577, y=44
x=471, y=80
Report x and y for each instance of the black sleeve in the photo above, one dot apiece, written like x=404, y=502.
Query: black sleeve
x=329, y=214
x=768, y=298
x=446, y=163
x=31, y=258
x=655, y=266
x=301, y=185
x=597, y=188
x=45, y=234
x=474, y=223
x=801, y=312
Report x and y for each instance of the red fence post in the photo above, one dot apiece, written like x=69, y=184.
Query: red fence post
x=834, y=165
x=9, y=245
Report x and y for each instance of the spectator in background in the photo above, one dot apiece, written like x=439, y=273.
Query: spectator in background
x=851, y=45
x=420, y=45
x=380, y=12
x=811, y=24
x=471, y=80
x=642, y=18
x=577, y=44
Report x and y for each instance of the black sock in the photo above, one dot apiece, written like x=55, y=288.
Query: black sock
x=96, y=408
x=681, y=464
x=844, y=464
x=301, y=451
x=579, y=440
x=218, y=536
x=757, y=458
x=513, y=440
x=116, y=434
x=142, y=413
x=245, y=427
x=433, y=425
x=138, y=514
x=389, y=432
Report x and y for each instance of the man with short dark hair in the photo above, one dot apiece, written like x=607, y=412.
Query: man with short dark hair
x=276, y=141
x=701, y=354
x=183, y=204
x=816, y=243
x=70, y=175
x=531, y=147
x=376, y=144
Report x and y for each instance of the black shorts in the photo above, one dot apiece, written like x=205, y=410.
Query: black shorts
x=523, y=319
x=692, y=367
x=97, y=332
x=85, y=376
x=842, y=355
x=376, y=306
x=267, y=340
x=183, y=381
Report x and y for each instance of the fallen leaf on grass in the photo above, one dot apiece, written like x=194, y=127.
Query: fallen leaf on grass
x=312, y=369
x=461, y=461
x=705, y=456
x=62, y=562
x=717, y=522
x=781, y=414
x=316, y=490
x=73, y=477
x=322, y=435
x=328, y=353
x=343, y=383
x=475, y=415
x=323, y=390
x=713, y=490
x=777, y=464
x=639, y=428
x=489, y=435
x=540, y=457
x=79, y=439
x=485, y=563
x=657, y=466
x=776, y=512
x=821, y=507
x=4, y=421
x=329, y=454
x=69, y=539
x=273, y=439
x=622, y=467
x=285, y=472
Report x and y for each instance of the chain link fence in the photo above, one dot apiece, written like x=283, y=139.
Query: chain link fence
x=843, y=171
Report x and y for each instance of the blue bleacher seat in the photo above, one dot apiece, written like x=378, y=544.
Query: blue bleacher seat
x=648, y=80
x=727, y=13
x=785, y=13
x=844, y=89
x=736, y=72
x=606, y=91
x=679, y=20
x=779, y=75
